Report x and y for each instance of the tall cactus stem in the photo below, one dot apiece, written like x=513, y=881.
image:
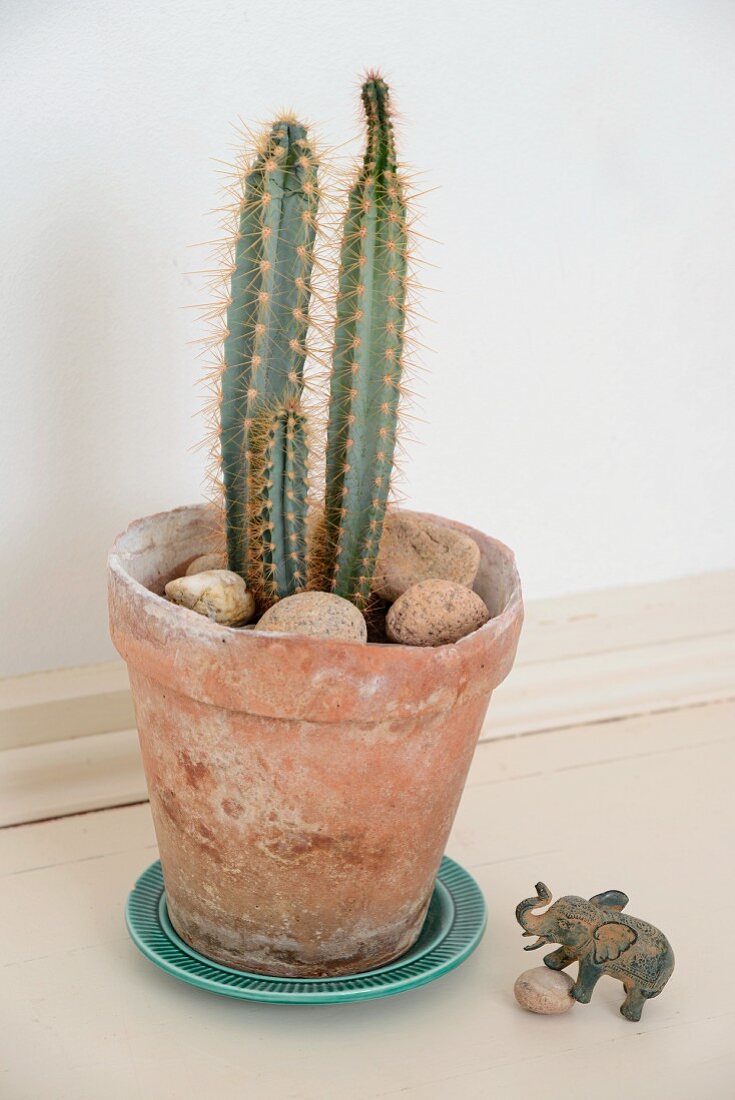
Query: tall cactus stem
x=367, y=360
x=267, y=314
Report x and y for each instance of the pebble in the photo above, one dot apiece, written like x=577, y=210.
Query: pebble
x=319, y=613
x=216, y=593
x=207, y=562
x=544, y=991
x=435, y=613
x=413, y=549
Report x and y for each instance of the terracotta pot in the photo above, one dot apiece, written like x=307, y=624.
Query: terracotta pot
x=302, y=789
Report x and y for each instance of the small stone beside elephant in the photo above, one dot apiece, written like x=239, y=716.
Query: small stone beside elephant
x=604, y=940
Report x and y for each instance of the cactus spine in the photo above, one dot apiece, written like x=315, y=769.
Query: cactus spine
x=368, y=359
x=265, y=348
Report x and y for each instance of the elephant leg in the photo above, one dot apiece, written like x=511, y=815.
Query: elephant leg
x=632, y=1006
x=588, y=977
x=560, y=958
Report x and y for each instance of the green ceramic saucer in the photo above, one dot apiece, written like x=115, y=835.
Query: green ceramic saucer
x=452, y=930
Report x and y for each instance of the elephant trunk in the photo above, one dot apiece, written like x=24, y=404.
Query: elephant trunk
x=530, y=923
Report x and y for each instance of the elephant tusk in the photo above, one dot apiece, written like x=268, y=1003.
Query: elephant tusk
x=540, y=942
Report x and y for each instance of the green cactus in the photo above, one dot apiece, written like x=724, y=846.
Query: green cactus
x=278, y=490
x=368, y=360
x=267, y=317
x=262, y=430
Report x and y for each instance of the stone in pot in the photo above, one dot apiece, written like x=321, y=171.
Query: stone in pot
x=435, y=613
x=216, y=593
x=205, y=562
x=318, y=613
x=415, y=549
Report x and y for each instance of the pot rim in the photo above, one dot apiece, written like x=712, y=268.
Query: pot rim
x=494, y=625
x=167, y=642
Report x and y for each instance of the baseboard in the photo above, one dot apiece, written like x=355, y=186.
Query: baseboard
x=64, y=704
x=600, y=687
x=73, y=776
x=68, y=742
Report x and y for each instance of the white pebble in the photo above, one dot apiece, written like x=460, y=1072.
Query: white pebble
x=216, y=593
x=545, y=991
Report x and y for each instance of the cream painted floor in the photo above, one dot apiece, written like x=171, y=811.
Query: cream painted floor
x=643, y=804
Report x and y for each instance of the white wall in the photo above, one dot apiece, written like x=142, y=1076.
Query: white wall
x=580, y=401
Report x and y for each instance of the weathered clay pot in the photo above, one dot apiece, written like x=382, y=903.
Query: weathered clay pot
x=302, y=789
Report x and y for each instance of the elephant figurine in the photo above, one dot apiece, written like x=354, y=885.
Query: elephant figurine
x=604, y=940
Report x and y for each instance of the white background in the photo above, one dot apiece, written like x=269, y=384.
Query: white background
x=580, y=401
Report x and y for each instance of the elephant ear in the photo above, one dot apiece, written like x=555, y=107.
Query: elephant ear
x=611, y=899
x=611, y=940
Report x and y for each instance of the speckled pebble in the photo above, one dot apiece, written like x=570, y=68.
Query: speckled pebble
x=207, y=562
x=544, y=991
x=435, y=613
x=319, y=613
x=216, y=593
x=414, y=549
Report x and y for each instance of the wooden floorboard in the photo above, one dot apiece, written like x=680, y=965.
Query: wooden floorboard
x=642, y=804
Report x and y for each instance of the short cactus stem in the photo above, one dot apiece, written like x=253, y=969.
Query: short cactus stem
x=268, y=311
x=368, y=360
x=278, y=491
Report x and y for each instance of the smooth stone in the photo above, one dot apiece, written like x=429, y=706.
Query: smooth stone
x=413, y=549
x=435, y=613
x=544, y=991
x=216, y=593
x=319, y=613
x=207, y=562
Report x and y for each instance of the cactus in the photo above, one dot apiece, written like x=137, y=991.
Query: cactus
x=367, y=361
x=266, y=326
x=278, y=489
x=262, y=422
